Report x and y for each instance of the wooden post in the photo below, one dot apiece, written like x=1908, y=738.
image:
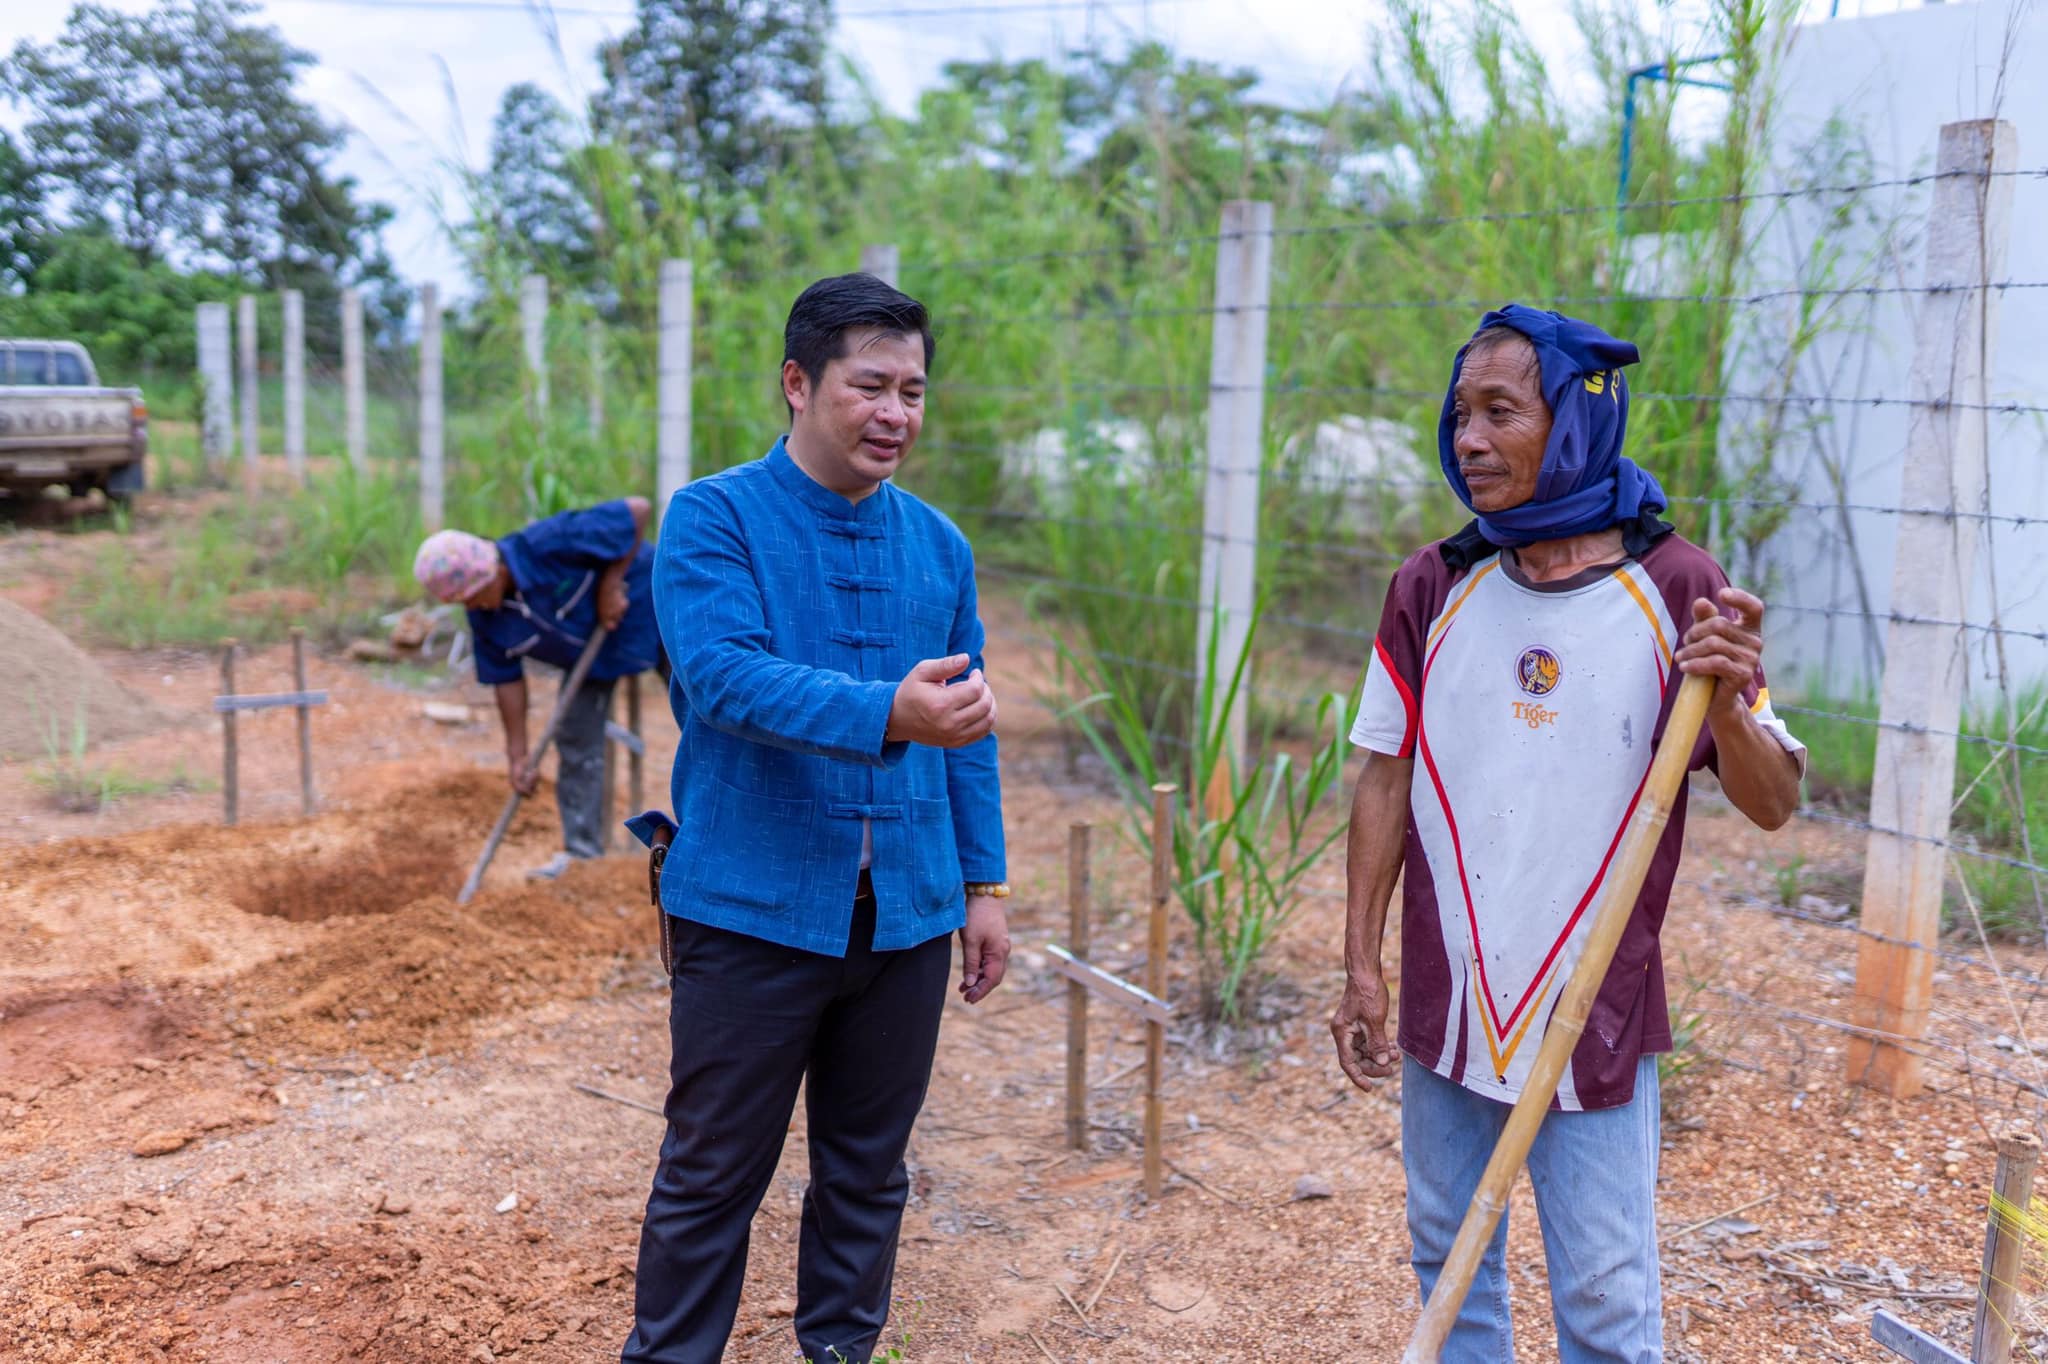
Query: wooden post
x=608, y=802
x=1078, y=894
x=2012, y=1199
x=882, y=261
x=432, y=477
x=1237, y=405
x=230, y=775
x=245, y=345
x=593, y=336
x=305, y=722
x=295, y=384
x=672, y=383
x=1920, y=698
x=636, y=760
x=354, y=380
x=1155, y=984
x=217, y=382
x=533, y=331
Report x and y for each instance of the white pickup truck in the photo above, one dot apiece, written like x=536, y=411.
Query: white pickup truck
x=57, y=425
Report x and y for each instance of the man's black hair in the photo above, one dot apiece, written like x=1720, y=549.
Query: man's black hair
x=1501, y=335
x=815, y=334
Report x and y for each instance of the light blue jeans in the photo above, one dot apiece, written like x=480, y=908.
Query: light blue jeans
x=1595, y=1176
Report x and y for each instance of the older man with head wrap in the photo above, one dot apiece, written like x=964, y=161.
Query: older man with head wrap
x=1529, y=662
x=537, y=594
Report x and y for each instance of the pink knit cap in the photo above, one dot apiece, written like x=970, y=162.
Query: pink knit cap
x=454, y=565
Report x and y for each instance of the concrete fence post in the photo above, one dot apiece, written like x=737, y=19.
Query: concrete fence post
x=432, y=477
x=1237, y=407
x=354, y=381
x=672, y=457
x=217, y=389
x=246, y=347
x=295, y=384
x=1920, y=698
x=882, y=261
x=533, y=332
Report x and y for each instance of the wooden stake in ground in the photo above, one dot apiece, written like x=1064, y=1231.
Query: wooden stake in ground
x=1155, y=985
x=570, y=686
x=2012, y=1200
x=1077, y=993
x=636, y=765
x=229, y=758
x=305, y=722
x=1617, y=902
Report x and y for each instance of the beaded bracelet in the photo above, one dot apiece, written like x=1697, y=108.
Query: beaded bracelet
x=995, y=890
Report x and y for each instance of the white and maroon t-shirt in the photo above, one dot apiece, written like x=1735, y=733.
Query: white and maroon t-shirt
x=1531, y=711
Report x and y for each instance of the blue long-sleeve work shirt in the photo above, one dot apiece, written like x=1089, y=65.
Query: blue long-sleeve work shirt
x=556, y=565
x=790, y=616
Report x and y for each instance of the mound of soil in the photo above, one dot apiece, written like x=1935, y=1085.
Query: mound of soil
x=425, y=972
x=54, y=689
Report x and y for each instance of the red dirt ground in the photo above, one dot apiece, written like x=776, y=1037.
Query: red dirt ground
x=265, y=1086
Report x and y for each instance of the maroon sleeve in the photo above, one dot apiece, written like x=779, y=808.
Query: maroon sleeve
x=1390, y=706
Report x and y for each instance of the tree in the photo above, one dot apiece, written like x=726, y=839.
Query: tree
x=103, y=124
x=182, y=131
x=22, y=229
x=531, y=198
x=710, y=89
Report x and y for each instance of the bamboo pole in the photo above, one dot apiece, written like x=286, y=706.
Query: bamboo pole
x=1617, y=903
x=1077, y=994
x=1155, y=984
x=2012, y=1195
x=230, y=793
x=305, y=722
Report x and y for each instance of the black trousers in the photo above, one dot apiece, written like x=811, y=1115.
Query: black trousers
x=748, y=1020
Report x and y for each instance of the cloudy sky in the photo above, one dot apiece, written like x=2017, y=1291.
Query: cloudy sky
x=416, y=81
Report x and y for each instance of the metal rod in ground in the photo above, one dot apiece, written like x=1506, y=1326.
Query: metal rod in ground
x=570, y=686
x=305, y=722
x=1155, y=984
x=1077, y=994
x=2012, y=1195
x=636, y=759
x=229, y=757
x=1617, y=902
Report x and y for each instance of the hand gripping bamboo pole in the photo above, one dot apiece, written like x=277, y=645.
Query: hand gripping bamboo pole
x=1617, y=902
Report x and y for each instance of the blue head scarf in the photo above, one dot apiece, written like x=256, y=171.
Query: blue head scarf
x=1585, y=484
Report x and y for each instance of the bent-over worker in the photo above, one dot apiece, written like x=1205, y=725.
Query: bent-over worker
x=537, y=594
x=1528, y=662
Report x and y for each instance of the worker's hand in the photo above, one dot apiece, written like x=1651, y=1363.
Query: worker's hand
x=1729, y=650
x=611, y=601
x=1360, y=1027
x=525, y=779
x=929, y=711
x=984, y=947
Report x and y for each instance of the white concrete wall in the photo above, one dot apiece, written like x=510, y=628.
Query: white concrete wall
x=1863, y=100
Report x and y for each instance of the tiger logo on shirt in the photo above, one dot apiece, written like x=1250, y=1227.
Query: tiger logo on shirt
x=1538, y=671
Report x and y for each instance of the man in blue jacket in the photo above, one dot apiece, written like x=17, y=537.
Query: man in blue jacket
x=536, y=595
x=840, y=816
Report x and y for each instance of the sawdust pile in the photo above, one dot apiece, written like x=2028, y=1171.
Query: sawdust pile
x=53, y=688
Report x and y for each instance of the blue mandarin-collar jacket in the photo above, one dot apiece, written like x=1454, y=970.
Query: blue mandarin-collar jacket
x=552, y=608
x=790, y=615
